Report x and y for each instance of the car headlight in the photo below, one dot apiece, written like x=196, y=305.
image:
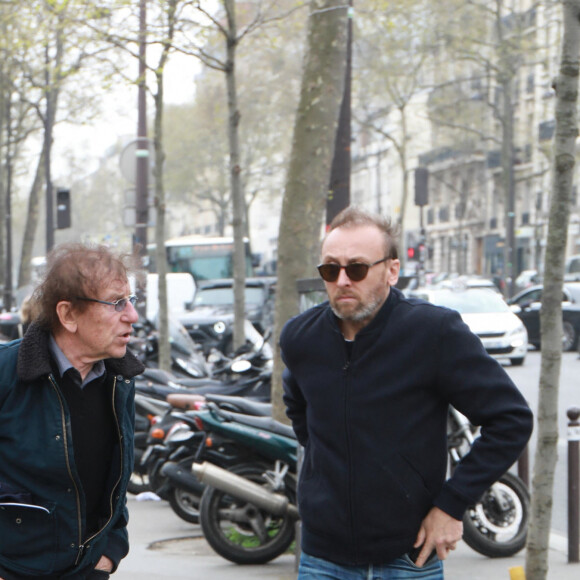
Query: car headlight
x=518, y=336
x=219, y=327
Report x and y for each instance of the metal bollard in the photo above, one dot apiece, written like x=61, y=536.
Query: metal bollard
x=524, y=466
x=573, y=477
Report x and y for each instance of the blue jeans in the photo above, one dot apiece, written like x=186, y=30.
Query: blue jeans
x=312, y=568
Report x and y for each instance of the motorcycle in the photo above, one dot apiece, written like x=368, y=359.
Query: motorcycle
x=147, y=411
x=173, y=444
x=496, y=526
x=187, y=360
x=247, y=375
x=247, y=511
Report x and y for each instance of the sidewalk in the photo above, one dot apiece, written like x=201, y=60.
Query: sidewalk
x=165, y=547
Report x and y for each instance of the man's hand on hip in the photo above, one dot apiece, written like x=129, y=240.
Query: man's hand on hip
x=438, y=531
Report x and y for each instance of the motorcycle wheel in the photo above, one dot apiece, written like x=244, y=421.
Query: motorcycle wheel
x=240, y=531
x=184, y=504
x=497, y=525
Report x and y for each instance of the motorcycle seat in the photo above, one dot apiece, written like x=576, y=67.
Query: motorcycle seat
x=264, y=423
x=241, y=404
x=186, y=401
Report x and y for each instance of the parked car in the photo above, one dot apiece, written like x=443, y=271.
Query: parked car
x=527, y=305
x=488, y=316
x=572, y=268
x=528, y=278
x=211, y=317
x=461, y=282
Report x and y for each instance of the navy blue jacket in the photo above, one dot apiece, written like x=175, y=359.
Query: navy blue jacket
x=374, y=426
x=42, y=516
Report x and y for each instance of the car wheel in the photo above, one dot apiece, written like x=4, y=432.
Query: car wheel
x=518, y=361
x=568, y=337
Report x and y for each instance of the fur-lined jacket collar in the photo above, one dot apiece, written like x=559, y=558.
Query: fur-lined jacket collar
x=34, y=358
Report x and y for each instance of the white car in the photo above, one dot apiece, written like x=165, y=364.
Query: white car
x=488, y=316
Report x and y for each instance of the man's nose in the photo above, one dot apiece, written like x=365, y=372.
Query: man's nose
x=130, y=313
x=343, y=279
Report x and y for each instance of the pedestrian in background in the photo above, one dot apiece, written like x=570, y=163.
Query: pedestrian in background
x=369, y=377
x=67, y=422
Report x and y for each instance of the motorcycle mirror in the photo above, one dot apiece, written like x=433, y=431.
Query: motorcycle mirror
x=241, y=366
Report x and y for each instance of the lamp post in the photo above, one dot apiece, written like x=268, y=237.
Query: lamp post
x=339, y=187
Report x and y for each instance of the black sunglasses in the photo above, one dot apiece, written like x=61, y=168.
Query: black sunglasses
x=356, y=271
x=118, y=304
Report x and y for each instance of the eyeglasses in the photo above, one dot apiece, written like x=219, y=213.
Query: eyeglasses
x=356, y=271
x=118, y=304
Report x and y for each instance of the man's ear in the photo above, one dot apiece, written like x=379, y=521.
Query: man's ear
x=67, y=316
x=393, y=268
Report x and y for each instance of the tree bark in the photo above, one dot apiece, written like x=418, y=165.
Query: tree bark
x=239, y=266
x=163, y=326
x=310, y=161
x=551, y=314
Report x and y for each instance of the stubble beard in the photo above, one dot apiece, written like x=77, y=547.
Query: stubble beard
x=362, y=312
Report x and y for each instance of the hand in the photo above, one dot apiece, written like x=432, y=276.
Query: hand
x=104, y=564
x=440, y=531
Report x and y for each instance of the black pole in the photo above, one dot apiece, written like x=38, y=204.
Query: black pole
x=142, y=154
x=573, y=490
x=142, y=163
x=47, y=147
x=8, y=220
x=339, y=187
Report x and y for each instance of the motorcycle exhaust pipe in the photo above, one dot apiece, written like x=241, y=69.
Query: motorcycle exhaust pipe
x=182, y=478
x=242, y=488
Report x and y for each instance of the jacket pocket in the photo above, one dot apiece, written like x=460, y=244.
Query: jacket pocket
x=29, y=537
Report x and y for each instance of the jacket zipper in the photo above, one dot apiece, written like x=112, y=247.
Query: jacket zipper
x=83, y=545
x=66, y=455
x=347, y=374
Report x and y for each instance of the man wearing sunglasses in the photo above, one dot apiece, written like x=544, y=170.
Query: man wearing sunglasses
x=67, y=422
x=369, y=377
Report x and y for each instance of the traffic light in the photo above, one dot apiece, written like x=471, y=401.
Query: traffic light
x=418, y=252
x=62, y=208
x=421, y=186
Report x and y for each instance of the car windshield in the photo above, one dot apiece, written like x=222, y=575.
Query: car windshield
x=225, y=296
x=469, y=301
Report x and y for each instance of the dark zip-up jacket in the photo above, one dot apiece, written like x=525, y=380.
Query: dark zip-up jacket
x=374, y=425
x=42, y=515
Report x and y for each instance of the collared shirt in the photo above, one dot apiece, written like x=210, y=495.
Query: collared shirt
x=64, y=364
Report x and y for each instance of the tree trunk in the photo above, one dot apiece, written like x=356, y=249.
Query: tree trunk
x=309, y=171
x=551, y=314
x=163, y=326
x=239, y=265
